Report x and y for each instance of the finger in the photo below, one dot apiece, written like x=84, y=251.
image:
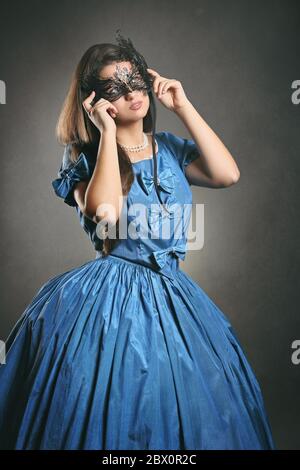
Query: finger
x=89, y=107
x=112, y=113
x=156, y=79
x=153, y=72
x=162, y=83
x=166, y=86
x=112, y=110
x=156, y=83
x=106, y=104
x=88, y=110
x=112, y=107
x=90, y=98
x=87, y=102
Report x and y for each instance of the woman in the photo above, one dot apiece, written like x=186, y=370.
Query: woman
x=127, y=351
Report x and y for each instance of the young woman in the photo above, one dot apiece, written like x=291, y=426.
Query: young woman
x=127, y=351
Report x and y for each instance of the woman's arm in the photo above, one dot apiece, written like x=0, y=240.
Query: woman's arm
x=104, y=188
x=215, y=166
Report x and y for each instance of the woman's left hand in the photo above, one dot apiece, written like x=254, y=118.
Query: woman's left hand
x=168, y=91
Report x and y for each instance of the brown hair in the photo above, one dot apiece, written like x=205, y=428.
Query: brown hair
x=75, y=128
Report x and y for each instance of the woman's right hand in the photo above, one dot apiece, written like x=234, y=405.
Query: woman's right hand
x=102, y=113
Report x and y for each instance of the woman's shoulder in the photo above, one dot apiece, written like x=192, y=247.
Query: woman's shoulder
x=173, y=140
x=77, y=165
x=184, y=150
x=74, y=155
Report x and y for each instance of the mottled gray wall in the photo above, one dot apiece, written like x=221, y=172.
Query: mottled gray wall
x=236, y=61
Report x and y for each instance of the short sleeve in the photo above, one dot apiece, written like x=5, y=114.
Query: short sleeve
x=185, y=150
x=70, y=173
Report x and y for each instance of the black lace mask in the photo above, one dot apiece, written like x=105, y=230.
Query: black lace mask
x=125, y=81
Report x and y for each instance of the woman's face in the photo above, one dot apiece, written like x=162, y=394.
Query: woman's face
x=124, y=103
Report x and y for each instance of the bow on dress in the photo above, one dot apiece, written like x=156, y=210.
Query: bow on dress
x=69, y=176
x=156, y=212
x=160, y=256
x=165, y=180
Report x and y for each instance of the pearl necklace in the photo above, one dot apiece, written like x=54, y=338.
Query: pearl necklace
x=136, y=148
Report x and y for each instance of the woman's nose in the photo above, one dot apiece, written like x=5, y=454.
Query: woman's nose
x=131, y=95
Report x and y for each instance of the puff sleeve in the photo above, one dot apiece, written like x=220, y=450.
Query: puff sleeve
x=185, y=150
x=70, y=173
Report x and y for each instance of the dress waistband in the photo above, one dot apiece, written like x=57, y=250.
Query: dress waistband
x=168, y=270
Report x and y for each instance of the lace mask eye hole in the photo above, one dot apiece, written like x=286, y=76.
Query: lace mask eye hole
x=138, y=82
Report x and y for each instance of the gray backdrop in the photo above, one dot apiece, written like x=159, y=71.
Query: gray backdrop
x=236, y=61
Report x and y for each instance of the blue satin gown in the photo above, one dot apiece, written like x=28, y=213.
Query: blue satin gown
x=127, y=351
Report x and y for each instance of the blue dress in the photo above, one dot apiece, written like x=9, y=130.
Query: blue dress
x=127, y=351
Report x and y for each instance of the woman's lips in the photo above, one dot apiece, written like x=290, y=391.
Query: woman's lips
x=136, y=105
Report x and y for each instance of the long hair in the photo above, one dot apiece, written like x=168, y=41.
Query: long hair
x=75, y=128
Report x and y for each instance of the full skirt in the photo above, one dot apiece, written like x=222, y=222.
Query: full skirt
x=113, y=355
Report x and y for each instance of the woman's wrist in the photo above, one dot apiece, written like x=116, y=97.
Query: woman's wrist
x=110, y=131
x=181, y=110
x=107, y=136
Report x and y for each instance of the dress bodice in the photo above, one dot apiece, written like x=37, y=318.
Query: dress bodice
x=154, y=230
